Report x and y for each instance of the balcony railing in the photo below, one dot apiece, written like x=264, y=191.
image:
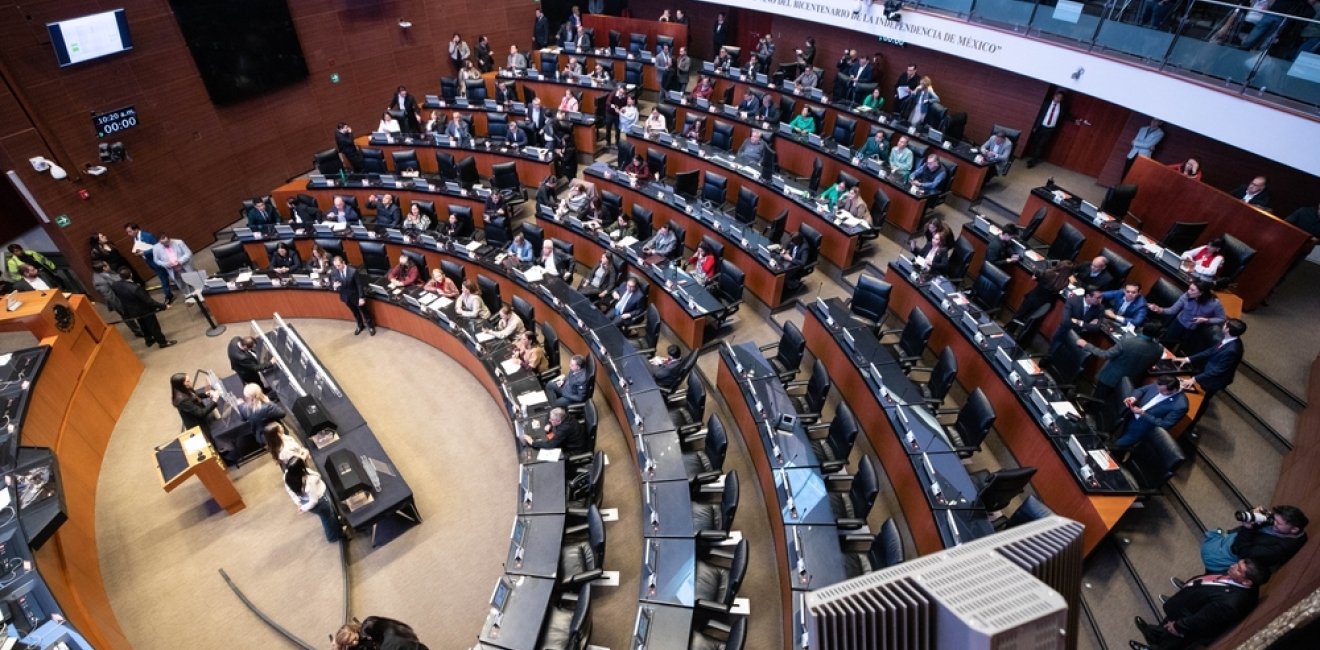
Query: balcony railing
x=1257, y=48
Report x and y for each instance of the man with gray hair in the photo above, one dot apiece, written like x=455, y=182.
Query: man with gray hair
x=561, y=432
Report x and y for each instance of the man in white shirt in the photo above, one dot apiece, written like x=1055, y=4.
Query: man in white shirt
x=1045, y=127
x=1160, y=404
x=30, y=280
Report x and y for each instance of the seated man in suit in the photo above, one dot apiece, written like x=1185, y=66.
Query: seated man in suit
x=571, y=388
x=521, y=249
x=666, y=369
x=554, y=262
x=1127, y=305
x=245, y=361
x=999, y=250
x=750, y=104
x=31, y=279
x=517, y=137
x=625, y=305
x=996, y=151
x=1160, y=404
x=302, y=215
x=1095, y=275
x=1204, y=608
x=1080, y=314
x=561, y=432
x=768, y=113
x=458, y=130
x=1131, y=357
x=260, y=216
x=929, y=176
x=662, y=243
x=387, y=211
x=876, y=148
x=752, y=150
x=342, y=212
x=1254, y=193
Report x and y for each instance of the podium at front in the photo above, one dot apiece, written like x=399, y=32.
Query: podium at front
x=191, y=455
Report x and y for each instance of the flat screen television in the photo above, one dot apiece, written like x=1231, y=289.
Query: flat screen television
x=90, y=37
x=242, y=48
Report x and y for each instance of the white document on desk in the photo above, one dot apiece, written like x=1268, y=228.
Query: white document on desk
x=1065, y=409
x=1103, y=459
x=509, y=366
x=534, y=274
x=549, y=455
x=534, y=398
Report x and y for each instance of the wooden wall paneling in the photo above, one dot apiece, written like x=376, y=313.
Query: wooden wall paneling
x=1086, y=147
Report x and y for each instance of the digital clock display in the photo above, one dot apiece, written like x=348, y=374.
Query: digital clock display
x=113, y=122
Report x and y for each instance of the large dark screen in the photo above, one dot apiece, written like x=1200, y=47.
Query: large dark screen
x=242, y=48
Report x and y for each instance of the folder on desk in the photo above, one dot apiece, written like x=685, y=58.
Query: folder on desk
x=534, y=398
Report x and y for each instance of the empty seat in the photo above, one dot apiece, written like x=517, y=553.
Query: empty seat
x=712, y=521
x=912, y=338
x=788, y=351
x=973, y=424
x=851, y=508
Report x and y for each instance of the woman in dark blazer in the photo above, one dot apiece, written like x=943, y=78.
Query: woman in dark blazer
x=195, y=408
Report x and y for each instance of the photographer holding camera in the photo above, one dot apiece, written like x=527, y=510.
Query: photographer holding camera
x=1269, y=537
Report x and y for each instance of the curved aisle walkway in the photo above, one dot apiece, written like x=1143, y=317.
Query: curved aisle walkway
x=160, y=552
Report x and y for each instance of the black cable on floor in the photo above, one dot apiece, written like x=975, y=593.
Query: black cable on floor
x=266, y=619
x=343, y=568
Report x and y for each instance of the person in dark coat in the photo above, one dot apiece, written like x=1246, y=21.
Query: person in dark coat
x=195, y=408
x=135, y=303
x=1204, y=608
x=245, y=361
x=1271, y=538
x=561, y=432
x=1131, y=357
x=352, y=290
x=344, y=143
x=668, y=370
x=377, y=633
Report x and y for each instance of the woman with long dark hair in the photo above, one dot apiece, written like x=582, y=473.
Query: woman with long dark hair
x=104, y=251
x=195, y=408
x=308, y=491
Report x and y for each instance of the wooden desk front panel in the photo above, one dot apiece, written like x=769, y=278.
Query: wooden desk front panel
x=1054, y=482
x=886, y=442
x=602, y=25
x=530, y=172
x=325, y=199
x=617, y=67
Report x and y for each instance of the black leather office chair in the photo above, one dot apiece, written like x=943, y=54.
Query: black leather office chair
x=851, y=507
x=670, y=114
x=1024, y=327
x=849, y=181
x=1153, y=461
x=680, y=235
x=1066, y=364
x=534, y=234
x=490, y=293
x=879, y=212
x=685, y=183
x=454, y=271
x=845, y=129
x=715, y=247
x=1014, y=136
x=1163, y=293
x=448, y=170
x=373, y=161
x=467, y=172
x=832, y=450
x=815, y=390
x=714, y=188
x=960, y=261
x=1067, y=243
x=973, y=424
x=375, y=261
x=476, y=91
x=332, y=247
x=708, y=635
x=1032, y=509
x=550, y=342
x=632, y=75
x=774, y=227
x=721, y=136
x=448, y=89
x=568, y=625
x=730, y=283
x=940, y=377
x=918, y=150
x=405, y=159
x=688, y=411
x=1236, y=256
x=712, y=521
x=636, y=43
x=955, y=127
x=995, y=490
x=497, y=127
x=648, y=334
x=504, y=179
x=626, y=151
x=614, y=38
x=705, y=465
x=1182, y=234
x=231, y=257
x=525, y=312
x=941, y=192
x=989, y=289
x=582, y=555
x=912, y=338
x=641, y=217
x=788, y=352
x=1119, y=267
x=328, y=162
x=716, y=585
x=612, y=204
x=585, y=487
x=866, y=554
x=678, y=389
x=745, y=210
x=1029, y=231
x=658, y=162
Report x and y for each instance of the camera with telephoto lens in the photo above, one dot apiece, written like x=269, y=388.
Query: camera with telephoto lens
x=1253, y=517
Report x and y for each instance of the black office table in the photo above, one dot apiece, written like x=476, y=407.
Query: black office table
x=665, y=456
x=673, y=506
x=547, y=482
x=524, y=612
x=821, y=556
x=675, y=572
x=670, y=628
x=540, y=548
x=811, y=499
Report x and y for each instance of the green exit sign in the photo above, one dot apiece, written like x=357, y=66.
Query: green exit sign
x=63, y=221
x=334, y=77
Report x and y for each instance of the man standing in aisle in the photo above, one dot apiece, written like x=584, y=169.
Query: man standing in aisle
x=1220, y=363
x=1045, y=128
x=143, y=244
x=540, y=30
x=138, y=305
x=176, y=258
x=344, y=143
x=353, y=292
x=1144, y=144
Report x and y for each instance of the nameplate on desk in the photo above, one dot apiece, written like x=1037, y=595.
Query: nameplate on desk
x=262, y=281
x=674, y=96
x=215, y=283
x=243, y=234
x=702, y=103
x=708, y=66
x=323, y=229
x=815, y=140
x=1129, y=233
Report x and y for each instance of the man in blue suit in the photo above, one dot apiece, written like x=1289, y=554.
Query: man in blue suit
x=626, y=304
x=1160, y=404
x=1080, y=314
x=1126, y=306
x=143, y=238
x=1218, y=365
x=1131, y=357
x=572, y=387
